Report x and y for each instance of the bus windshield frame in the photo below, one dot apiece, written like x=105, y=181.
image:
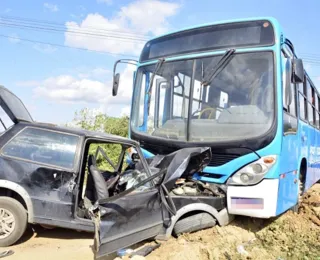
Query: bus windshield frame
x=185, y=128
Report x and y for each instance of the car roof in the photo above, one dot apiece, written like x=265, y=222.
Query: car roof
x=78, y=131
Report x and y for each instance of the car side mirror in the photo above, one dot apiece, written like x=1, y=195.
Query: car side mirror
x=297, y=71
x=287, y=73
x=115, y=85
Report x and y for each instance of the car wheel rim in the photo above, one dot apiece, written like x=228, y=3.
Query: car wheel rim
x=7, y=223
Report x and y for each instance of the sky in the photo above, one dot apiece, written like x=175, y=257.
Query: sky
x=66, y=72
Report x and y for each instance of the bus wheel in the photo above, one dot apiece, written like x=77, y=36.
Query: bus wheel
x=301, y=185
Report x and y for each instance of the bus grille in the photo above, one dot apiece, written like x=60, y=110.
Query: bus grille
x=220, y=159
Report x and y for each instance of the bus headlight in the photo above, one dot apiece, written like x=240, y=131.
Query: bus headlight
x=253, y=172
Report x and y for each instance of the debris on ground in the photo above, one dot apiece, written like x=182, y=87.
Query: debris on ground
x=290, y=236
x=6, y=253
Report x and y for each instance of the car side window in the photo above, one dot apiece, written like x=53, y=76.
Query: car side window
x=43, y=146
x=107, y=155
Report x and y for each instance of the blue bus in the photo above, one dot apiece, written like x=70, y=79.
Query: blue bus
x=238, y=87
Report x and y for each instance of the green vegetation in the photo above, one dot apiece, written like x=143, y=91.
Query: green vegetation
x=97, y=121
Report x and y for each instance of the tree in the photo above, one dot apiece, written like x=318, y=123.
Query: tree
x=95, y=120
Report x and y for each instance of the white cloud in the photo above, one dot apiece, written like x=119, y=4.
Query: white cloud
x=44, y=48
x=65, y=88
x=136, y=20
x=149, y=16
x=7, y=10
x=51, y=7
x=14, y=38
x=74, y=89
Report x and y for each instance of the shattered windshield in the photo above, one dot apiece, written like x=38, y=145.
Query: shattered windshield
x=238, y=103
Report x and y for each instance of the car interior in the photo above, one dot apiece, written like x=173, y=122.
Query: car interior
x=107, y=172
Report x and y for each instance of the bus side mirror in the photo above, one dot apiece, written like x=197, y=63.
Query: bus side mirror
x=297, y=71
x=116, y=77
x=115, y=85
x=287, y=73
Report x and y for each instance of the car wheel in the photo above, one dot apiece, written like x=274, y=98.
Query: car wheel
x=194, y=223
x=13, y=221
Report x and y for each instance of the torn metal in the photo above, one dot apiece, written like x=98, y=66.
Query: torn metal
x=145, y=208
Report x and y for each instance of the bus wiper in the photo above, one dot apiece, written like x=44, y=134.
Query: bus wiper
x=156, y=69
x=222, y=63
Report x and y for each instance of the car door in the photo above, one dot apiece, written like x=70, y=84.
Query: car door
x=43, y=162
x=128, y=218
x=142, y=211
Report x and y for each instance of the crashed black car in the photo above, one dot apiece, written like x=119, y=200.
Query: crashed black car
x=90, y=181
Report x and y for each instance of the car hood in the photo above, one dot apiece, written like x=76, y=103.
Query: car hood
x=182, y=163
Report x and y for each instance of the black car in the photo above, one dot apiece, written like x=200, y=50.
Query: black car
x=91, y=181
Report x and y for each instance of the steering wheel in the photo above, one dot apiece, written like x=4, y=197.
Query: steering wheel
x=213, y=110
x=206, y=109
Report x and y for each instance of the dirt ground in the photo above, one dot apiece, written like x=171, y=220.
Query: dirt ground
x=56, y=244
x=291, y=236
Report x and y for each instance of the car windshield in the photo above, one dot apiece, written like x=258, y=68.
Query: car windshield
x=237, y=103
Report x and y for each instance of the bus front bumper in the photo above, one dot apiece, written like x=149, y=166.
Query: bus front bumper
x=255, y=201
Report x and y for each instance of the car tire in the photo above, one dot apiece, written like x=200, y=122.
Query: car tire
x=194, y=223
x=11, y=208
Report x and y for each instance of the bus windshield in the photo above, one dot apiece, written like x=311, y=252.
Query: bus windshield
x=237, y=103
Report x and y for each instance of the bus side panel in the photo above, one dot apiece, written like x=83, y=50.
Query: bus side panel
x=316, y=165
x=312, y=164
x=287, y=174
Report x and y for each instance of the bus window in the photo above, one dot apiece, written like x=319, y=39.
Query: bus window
x=317, y=109
x=292, y=109
x=141, y=105
x=293, y=106
x=303, y=100
x=310, y=113
x=309, y=92
x=178, y=99
x=197, y=93
x=181, y=96
x=310, y=99
x=161, y=110
x=223, y=99
x=302, y=106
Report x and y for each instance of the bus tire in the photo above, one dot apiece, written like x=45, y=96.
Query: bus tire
x=194, y=223
x=13, y=218
x=301, y=185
